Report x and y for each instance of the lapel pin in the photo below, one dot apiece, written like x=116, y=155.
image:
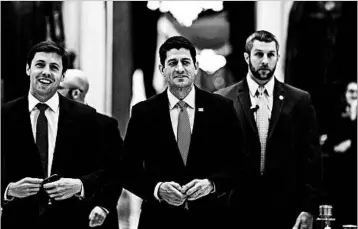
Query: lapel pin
x=280, y=97
x=200, y=109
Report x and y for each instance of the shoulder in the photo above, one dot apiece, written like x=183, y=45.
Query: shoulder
x=294, y=92
x=106, y=120
x=216, y=101
x=227, y=90
x=13, y=103
x=76, y=109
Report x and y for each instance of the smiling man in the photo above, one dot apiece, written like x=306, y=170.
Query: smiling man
x=281, y=140
x=43, y=135
x=182, y=148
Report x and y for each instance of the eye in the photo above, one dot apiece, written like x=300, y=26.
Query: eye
x=271, y=55
x=39, y=65
x=259, y=54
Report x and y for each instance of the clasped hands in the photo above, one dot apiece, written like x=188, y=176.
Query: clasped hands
x=176, y=195
x=61, y=189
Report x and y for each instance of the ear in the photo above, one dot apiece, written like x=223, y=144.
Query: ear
x=27, y=69
x=196, y=65
x=247, y=57
x=161, y=69
x=75, y=94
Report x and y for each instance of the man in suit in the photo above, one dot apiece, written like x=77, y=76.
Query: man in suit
x=282, y=174
x=75, y=86
x=182, y=148
x=45, y=134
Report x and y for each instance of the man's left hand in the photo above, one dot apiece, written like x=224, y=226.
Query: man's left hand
x=63, y=189
x=196, y=189
x=304, y=221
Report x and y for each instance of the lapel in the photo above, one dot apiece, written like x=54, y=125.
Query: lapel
x=278, y=102
x=21, y=117
x=65, y=133
x=163, y=114
x=200, y=119
x=243, y=97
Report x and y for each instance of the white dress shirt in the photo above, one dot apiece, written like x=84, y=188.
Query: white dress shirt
x=253, y=86
x=174, y=111
x=52, y=114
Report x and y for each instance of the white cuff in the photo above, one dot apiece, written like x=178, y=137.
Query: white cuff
x=156, y=189
x=6, y=193
x=82, y=195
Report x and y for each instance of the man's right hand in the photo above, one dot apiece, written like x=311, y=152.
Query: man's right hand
x=170, y=192
x=25, y=187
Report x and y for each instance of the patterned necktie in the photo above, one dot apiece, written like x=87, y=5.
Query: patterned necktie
x=262, y=122
x=42, y=136
x=184, y=131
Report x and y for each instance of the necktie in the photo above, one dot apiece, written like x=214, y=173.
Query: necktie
x=184, y=131
x=262, y=122
x=42, y=136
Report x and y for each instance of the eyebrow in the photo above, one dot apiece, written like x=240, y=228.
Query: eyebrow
x=42, y=61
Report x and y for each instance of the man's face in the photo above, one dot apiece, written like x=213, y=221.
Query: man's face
x=45, y=75
x=262, y=60
x=351, y=93
x=179, y=69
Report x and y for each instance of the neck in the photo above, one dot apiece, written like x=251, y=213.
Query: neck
x=42, y=98
x=180, y=92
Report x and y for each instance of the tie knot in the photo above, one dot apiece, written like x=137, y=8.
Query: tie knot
x=182, y=104
x=42, y=107
x=260, y=91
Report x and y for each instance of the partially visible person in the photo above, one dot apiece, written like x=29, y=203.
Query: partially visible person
x=75, y=86
x=182, y=148
x=282, y=186
x=46, y=134
x=341, y=168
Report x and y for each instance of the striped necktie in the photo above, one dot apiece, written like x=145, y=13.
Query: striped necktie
x=262, y=122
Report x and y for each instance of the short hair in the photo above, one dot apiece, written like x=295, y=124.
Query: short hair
x=49, y=47
x=176, y=42
x=260, y=35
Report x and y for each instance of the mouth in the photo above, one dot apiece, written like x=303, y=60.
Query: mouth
x=45, y=81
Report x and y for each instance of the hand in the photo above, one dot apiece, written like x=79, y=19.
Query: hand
x=343, y=146
x=196, y=189
x=97, y=217
x=304, y=221
x=64, y=188
x=171, y=193
x=25, y=187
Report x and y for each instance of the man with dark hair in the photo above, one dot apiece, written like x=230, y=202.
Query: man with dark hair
x=75, y=86
x=49, y=150
x=181, y=148
x=283, y=172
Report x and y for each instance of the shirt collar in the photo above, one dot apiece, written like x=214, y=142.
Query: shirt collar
x=189, y=99
x=53, y=102
x=253, y=86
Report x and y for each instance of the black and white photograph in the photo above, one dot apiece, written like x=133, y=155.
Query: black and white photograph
x=179, y=114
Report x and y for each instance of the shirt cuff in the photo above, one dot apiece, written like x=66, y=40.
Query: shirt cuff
x=6, y=197
x=82, y=195
x=105, y=210
x=214, y=189
x=156, y=189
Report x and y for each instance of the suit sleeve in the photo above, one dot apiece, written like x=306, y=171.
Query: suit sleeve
x=230, y=172
x=135, y=178
x=312, y=151
x=112, y=187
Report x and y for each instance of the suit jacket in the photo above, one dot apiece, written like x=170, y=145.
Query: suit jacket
x=112, y=188
x=75, y=156
x=291, y=180
x=152, y=156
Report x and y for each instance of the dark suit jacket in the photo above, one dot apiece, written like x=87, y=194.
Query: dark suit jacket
x=152, y=156
x=75, y=156
x=292, y=174
x=111, y=155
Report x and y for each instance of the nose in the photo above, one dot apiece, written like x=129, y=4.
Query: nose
x=180, y=68
x=46, y=70
x=264, y=60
